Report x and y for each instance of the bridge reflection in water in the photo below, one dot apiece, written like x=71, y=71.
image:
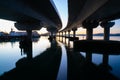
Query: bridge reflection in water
x=47, y=65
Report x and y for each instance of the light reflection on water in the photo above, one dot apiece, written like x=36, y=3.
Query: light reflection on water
x=10, y=53
x=40, y=46
x=62, y=73
x=114, y=61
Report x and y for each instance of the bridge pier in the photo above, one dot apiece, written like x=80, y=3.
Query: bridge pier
x=89, y=26
x=74, y=32
x=107, y=25
x=68, y=33
x=89, y=32
x=29, y=34
x=62, y=34
x=53, y=32
x=59, y=35
x=65, y=34
x=28, y=27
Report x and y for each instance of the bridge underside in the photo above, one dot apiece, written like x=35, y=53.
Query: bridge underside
x=91, y=11
x=35, y=13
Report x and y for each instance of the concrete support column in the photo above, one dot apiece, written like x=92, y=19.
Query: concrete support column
x=106, y=33
x=89, y=33
x=62, y=34
x=65, y=33
x=65, y=37
x=51, y=34
x=59, y=34
x=68, y=33
x=74, y=32
x=89, y=26
x=29, y=35
x=107, y=25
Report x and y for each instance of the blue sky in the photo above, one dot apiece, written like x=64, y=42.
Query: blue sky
x=61, y=5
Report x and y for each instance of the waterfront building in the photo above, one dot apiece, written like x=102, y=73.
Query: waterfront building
x=23, y=33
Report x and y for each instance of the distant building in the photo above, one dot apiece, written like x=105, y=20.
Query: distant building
x=13, y=33
x=3, y=34
x=35, y=34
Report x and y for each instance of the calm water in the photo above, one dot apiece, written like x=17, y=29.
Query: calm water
x=10, y=53
x=113, y=60
x=97, y=58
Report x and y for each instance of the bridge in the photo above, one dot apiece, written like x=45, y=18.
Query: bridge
x=89, y=14
x=33, y=15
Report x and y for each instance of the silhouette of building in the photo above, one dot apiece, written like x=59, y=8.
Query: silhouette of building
x=14, y=33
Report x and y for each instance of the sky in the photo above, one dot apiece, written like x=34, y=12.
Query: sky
x=61, y=6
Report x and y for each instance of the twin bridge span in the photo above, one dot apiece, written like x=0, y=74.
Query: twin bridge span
x=33, y=15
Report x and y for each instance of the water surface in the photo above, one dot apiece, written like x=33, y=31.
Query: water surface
x=10, y=53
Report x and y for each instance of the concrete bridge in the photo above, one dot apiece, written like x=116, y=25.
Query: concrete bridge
x=89, y=14
x=33, y=15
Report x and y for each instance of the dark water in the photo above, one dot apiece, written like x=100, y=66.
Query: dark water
x=112, y=61
x=58, y=59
